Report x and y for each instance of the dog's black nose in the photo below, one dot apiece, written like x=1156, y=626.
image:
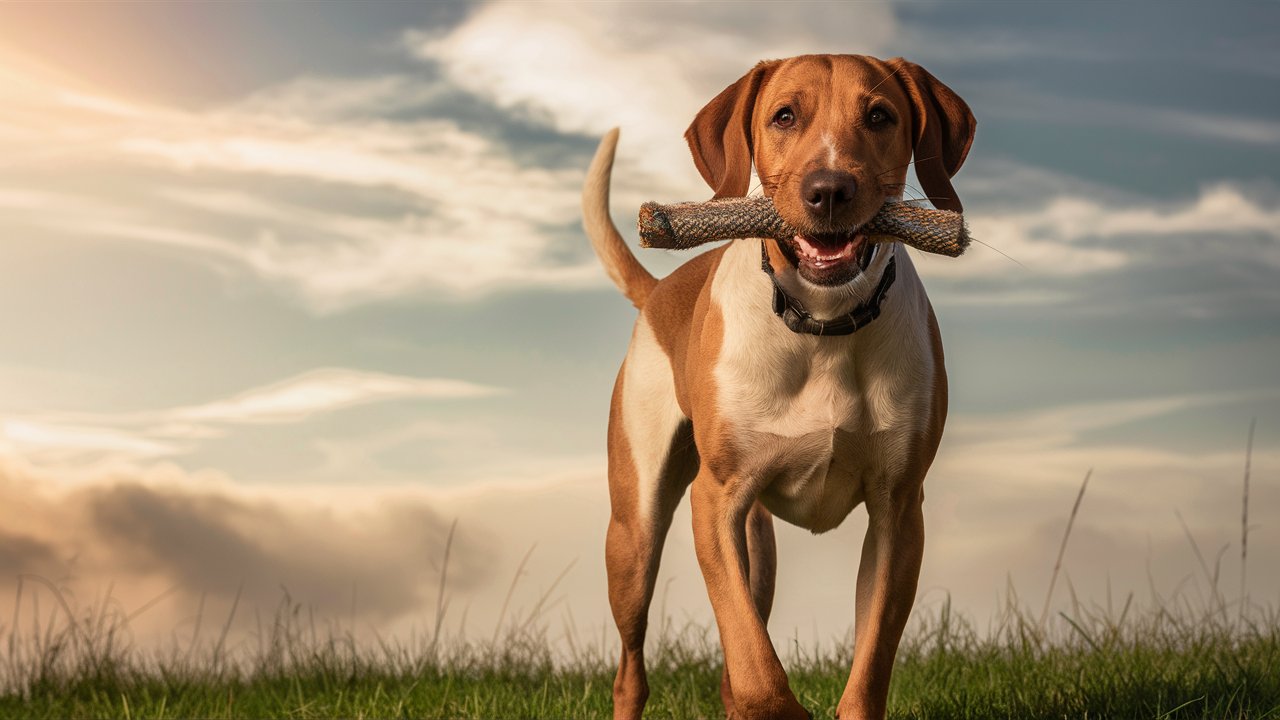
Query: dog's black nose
x=828, y=191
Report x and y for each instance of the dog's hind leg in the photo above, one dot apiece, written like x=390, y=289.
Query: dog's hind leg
x=762, y=570
x=652, y=460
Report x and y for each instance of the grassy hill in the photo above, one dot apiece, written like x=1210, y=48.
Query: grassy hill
x=1165, y=661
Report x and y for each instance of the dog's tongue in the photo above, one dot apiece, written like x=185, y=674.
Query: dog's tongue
x=829, y=248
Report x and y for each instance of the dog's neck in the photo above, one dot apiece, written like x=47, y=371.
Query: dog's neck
x=825, y=302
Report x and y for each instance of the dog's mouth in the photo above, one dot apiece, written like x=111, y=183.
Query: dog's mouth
x=830, y=258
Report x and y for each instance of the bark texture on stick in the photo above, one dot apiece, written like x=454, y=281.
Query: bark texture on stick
x=680, y=226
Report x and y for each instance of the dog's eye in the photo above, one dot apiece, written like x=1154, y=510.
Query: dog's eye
x=784, y=118
x=877, y=116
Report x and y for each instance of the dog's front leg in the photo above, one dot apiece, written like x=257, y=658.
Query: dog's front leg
x=759, y=684
x=887, y=578
x=762, y=569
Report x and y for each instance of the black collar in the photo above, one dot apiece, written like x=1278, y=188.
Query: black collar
x=800, y=321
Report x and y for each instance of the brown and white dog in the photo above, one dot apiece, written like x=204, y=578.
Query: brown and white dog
x=719, y=393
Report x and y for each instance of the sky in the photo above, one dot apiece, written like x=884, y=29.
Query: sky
x=288, y=289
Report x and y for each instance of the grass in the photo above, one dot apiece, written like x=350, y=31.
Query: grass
x=1182, y=657
x=1153, y=663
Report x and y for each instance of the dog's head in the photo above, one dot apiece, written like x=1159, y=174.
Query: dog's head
x=831, y=137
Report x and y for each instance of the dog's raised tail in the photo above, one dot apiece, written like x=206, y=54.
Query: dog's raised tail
x=623, y=267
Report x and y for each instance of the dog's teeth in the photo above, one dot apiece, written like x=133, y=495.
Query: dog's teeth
x=818, y=254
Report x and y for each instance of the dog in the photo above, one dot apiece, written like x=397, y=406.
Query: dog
x=792, y=379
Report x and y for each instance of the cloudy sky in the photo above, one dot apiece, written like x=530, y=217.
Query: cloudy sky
x=288, y=288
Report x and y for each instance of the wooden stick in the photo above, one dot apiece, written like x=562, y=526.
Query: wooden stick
x=681, y=226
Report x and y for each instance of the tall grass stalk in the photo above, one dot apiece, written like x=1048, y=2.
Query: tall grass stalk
x=1178, y=658
x=441, y=604
x=1244, y=521
x=1062, y=549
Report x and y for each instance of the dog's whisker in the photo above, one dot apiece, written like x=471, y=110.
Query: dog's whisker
x=1005, y=254
x=913, y=162
x=895, y=169
x=886, y=78
x=918, y=193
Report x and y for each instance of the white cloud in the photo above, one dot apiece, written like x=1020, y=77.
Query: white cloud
x=646, y=67
x=39, y=441
x=1061, y=236
x=173, y=431
x=311, y=98
x=1023, y=453
x=1093, y=112
x=996, y=500
x=479, y=223
x=1220, y=210
x=467, y=218
x=980, y=44
x=1251, y=130
x=1015, y=243
x=150, y=527
x=18, y=199
x=1014, y=298
x=463, y=217
x=324, y=391
x=1054, y=426
x=365, y=259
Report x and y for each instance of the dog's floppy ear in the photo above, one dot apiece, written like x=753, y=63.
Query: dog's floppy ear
x=943, y=131
x=720, y=135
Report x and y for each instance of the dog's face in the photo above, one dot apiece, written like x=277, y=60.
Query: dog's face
x=831, y=137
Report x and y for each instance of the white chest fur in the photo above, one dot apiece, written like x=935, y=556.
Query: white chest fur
x=821, y=421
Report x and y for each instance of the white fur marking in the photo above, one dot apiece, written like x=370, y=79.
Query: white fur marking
x=650, y=412
x=833, y=155
x=791, y=395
